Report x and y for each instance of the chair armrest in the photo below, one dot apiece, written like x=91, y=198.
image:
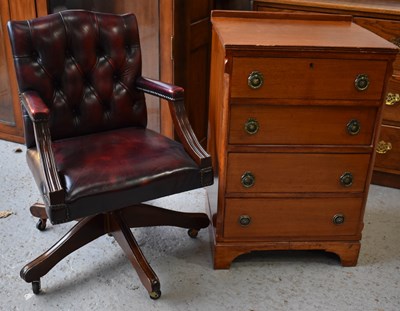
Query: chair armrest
x=54, y=194
x=175, y=97
x=34, y=105
x=160, y=89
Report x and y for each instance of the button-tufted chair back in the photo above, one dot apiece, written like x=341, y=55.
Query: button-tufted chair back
x=84, y=69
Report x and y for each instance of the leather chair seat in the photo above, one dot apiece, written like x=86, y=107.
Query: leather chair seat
x=96, y=181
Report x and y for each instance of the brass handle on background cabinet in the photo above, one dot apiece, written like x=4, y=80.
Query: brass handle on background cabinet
x=244, y=220
x=251, y=126
x=382, y=147
x=346, y=179
x=255, y=80
x=248, y=180
x=392, y=99
x=338, y=219
x=362, y=82
x=353, y=127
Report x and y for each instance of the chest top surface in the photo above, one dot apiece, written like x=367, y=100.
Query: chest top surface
x=259, y=30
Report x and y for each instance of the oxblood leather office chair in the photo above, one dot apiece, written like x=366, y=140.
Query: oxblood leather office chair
x=92, y=157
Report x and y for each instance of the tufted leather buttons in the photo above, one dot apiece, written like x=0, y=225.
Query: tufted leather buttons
x=99, y=52
x=35, y=56
x=56, y=83
x=90, y=83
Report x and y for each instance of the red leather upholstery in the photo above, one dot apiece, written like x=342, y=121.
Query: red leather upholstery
x=148, y=166
x=84, y=69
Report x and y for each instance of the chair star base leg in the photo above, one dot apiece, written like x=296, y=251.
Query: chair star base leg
x=85, y=231
x=118, y=225
x=144, y=215
x=123, y=235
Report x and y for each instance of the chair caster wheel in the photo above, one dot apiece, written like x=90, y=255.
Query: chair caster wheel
x=193, y=233
x=155, y=294
x=41, y=224
x=36, y=288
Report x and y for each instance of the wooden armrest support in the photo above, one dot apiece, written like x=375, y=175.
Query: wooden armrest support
x=187, y=136
x=39, y=114
x=55, y=194
x=34, y=105
x=175, y=97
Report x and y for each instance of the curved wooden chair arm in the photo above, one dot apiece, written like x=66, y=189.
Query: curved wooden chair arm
x=39, y=114
x=175, y=97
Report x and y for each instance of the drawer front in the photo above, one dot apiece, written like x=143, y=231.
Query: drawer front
x=291, y=78
x=296, y=217
x=388, y=29
x=296, y=172
x=391, y=111
x=388, y=148
x=301, y=125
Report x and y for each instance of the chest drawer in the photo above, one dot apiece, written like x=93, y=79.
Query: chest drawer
x=310, y=217
x=388, y=148
x=391, y=111
x=298, y=78
x=296, y=172
x=301, y=125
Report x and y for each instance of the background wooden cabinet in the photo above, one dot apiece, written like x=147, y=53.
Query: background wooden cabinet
x=175, y=38
x=10, y=111
x=244, y=5
x=383, y=18
x=188, y=64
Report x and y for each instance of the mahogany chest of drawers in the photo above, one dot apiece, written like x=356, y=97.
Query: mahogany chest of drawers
x=383, y=18
x=295, y=107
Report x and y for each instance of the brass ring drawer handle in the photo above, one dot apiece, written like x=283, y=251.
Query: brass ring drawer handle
x=392, y=99
x=382, y=147
x=361, y=82
x=244, y=220
x=248, y=180
x=346, y=179
x=338, y=219
x=251, y=126
x=353, y=127
x=255, y=80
